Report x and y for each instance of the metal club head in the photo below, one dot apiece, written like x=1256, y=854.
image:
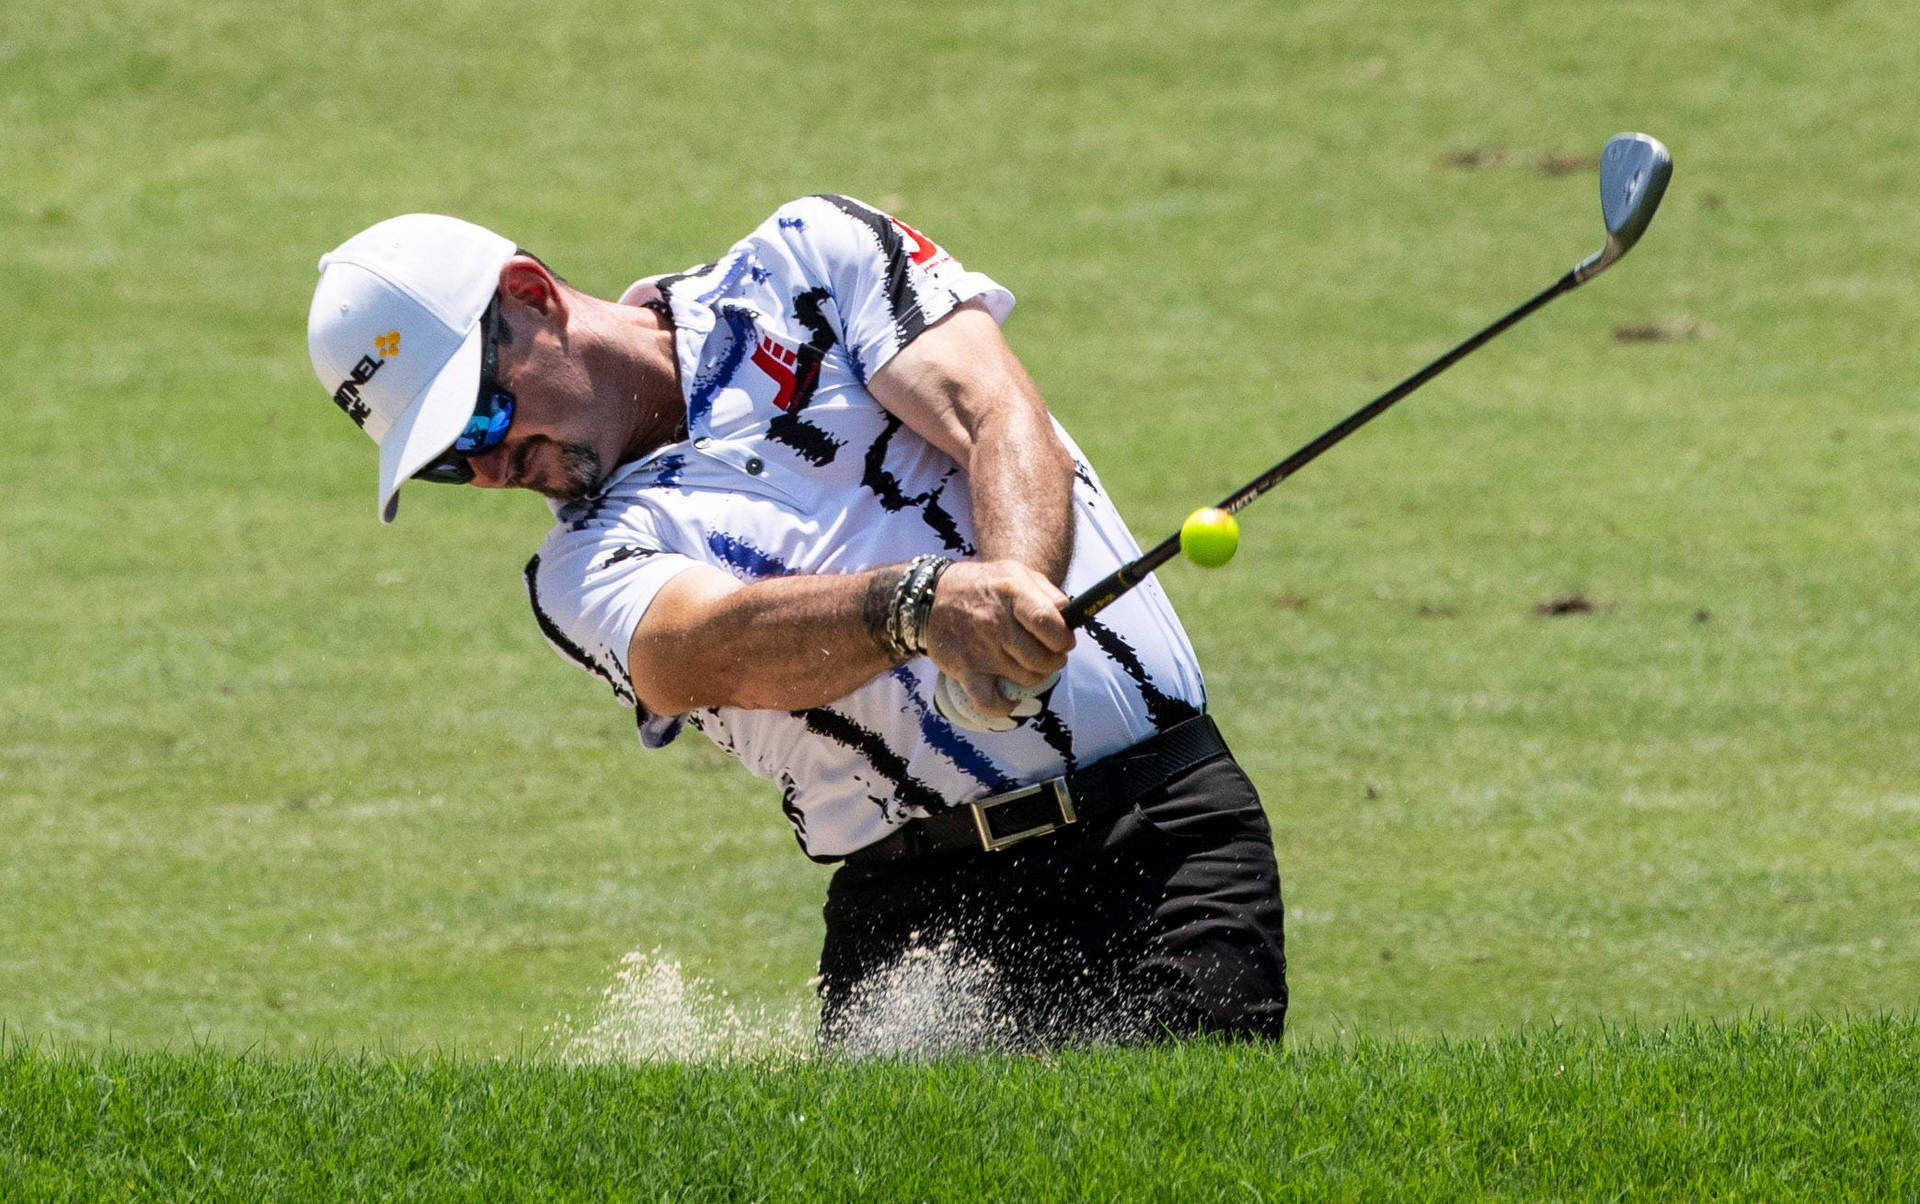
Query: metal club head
x=1634, y=169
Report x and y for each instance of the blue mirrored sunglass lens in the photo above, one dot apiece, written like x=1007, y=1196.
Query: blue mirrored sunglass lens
x=487, y=427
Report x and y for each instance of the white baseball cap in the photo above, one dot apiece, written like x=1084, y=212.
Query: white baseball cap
x=395, y=333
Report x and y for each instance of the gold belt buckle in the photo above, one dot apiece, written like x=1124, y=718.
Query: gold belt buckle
x=992, y=838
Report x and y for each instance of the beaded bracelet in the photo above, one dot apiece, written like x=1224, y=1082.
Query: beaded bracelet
x=923, y=605
x=906, y=631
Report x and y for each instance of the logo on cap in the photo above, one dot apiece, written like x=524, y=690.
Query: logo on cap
x=347, y=396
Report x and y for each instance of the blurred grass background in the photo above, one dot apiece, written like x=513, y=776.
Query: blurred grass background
x=271, y=775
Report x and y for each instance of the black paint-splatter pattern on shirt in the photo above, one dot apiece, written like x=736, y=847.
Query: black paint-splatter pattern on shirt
x=1163, y=709
x=908, y=318
x=904, y=788
x=569, y=649
x=886, y=487
x=622, y=554
x=1059, y=737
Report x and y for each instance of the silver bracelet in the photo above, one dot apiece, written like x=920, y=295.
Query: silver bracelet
x=912, y=605
x=923, y=604
x=896, y=616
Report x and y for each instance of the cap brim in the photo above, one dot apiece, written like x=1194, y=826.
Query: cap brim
x=431, y=422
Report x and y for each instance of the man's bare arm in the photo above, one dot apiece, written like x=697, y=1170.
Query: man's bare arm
x=796, y=642
x=788, y=643
x=959, y=386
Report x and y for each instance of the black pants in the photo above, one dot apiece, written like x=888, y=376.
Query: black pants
x=1163, y=920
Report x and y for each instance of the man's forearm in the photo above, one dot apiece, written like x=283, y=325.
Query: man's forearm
x=790, y=643
x=1022, y=481
x=959, y=386
x=796, y=642
x=784, y=644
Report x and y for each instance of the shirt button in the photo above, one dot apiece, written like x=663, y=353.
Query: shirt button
x=703, y=443
x=755, y=466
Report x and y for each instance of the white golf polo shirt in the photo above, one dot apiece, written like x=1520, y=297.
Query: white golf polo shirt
x=791, y=466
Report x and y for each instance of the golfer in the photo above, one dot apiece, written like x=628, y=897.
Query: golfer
x=790, y=488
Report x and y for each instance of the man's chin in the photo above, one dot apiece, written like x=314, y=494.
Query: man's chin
x=575, y=476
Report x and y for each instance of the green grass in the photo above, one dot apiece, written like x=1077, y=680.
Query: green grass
x=1754, y=1110
x=287, y=799
x=274, y=778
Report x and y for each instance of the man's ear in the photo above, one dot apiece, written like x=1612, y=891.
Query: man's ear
x=527, y=281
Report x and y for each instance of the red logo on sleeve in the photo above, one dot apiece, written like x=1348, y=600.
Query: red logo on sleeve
x=777, y=362
x=921, y=249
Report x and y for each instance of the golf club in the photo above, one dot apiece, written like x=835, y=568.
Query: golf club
x=1634, y=170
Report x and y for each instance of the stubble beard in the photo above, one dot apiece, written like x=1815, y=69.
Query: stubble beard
x=577, y=474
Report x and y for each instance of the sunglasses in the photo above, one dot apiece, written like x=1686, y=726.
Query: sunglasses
x=492, y=414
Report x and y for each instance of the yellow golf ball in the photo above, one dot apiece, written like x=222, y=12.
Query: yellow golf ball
x=1209, y=537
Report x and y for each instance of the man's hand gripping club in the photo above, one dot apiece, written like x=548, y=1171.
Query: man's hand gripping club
x=995, y=622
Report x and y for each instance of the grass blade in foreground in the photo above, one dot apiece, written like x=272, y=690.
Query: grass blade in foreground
x=1753, y=1110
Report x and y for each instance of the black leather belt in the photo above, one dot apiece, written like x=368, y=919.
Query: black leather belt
x=1110, y=784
